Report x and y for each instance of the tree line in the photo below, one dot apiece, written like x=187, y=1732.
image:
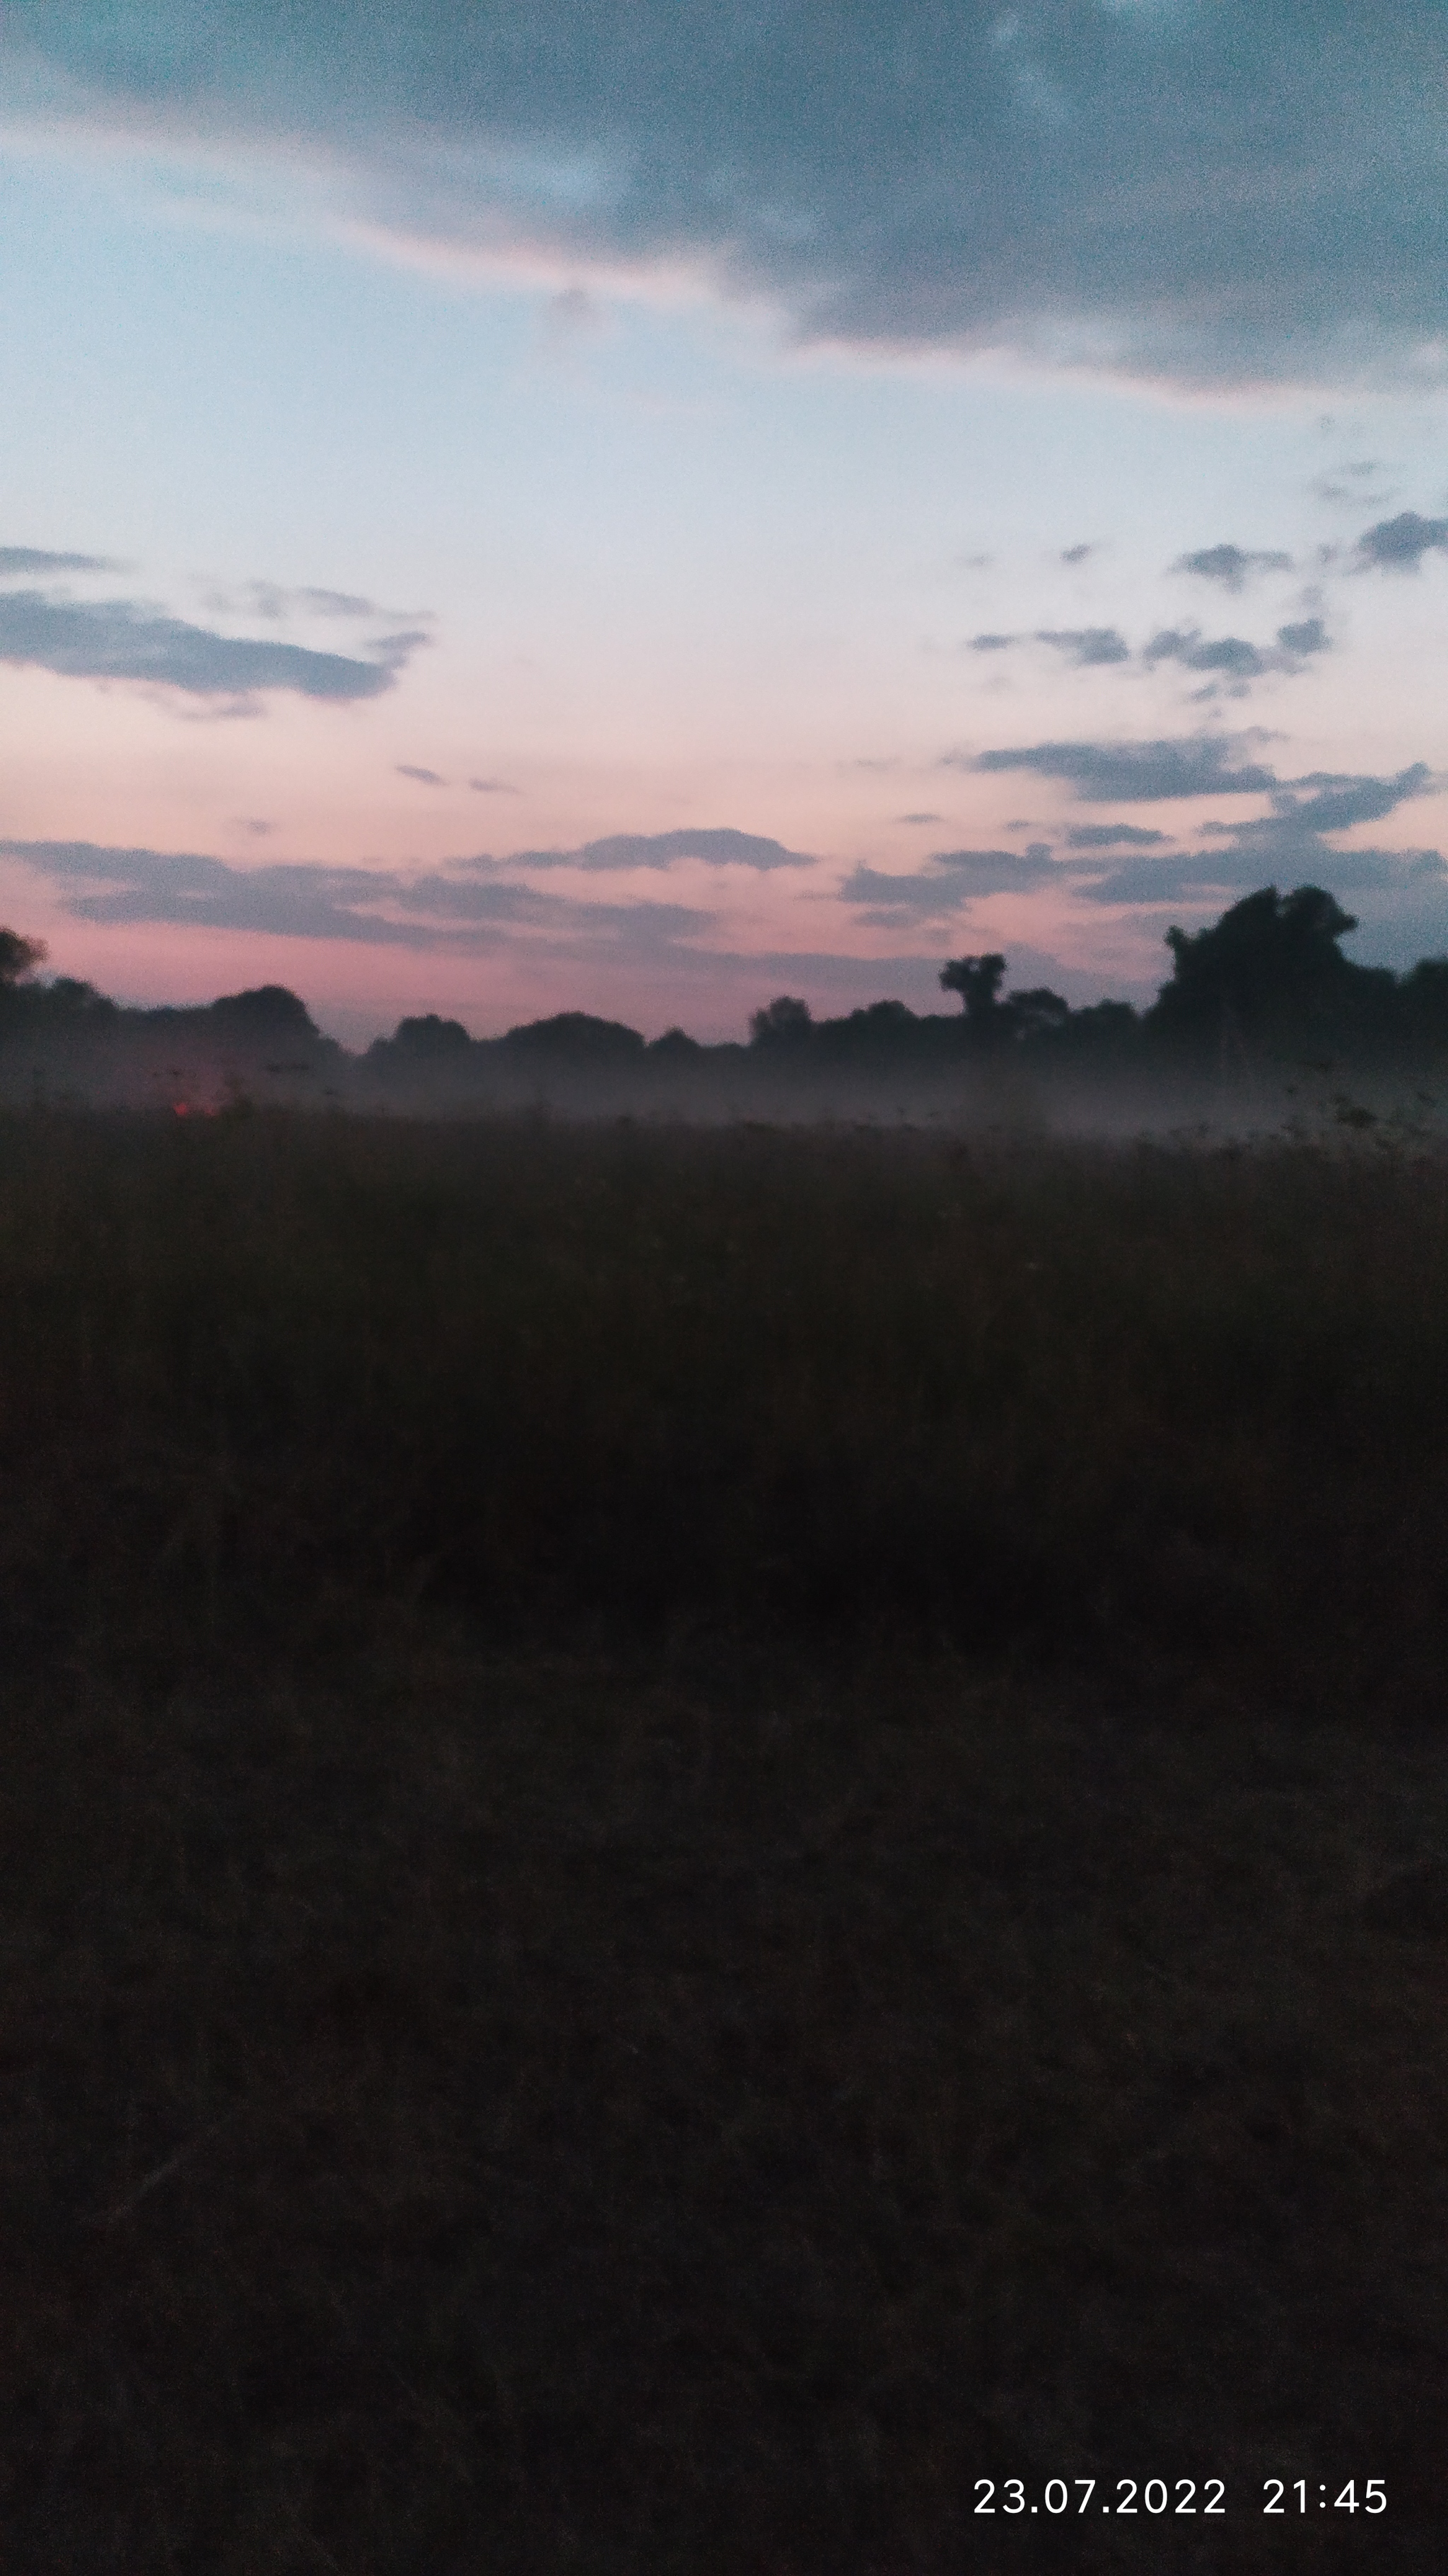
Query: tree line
x=1266, y=983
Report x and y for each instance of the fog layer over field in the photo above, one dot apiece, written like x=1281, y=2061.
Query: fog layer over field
x=1264, y=1025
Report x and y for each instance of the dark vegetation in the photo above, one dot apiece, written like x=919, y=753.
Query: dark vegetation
x=1073, y=1397
x=1256, y=1003
x=709, y=1829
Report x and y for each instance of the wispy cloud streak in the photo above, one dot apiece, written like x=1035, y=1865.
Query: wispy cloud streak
x=307, y=900
x=117, y=639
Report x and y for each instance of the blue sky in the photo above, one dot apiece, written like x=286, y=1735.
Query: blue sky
x=523, y=508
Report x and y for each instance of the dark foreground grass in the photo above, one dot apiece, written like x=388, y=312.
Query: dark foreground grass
x=705, y=1835
x=1071, y=1397
x=468, y=2115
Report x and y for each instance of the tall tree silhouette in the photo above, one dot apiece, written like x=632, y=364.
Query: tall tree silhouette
x=978, y=981
x=19, y=956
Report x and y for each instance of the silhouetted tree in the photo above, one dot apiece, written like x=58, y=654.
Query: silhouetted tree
x=1038, y=1011
x=68, y=1001
x=782, y=1022
x=1423, y=1006
x=978, y=981
x=266, y=1013
x=882, y=1023
x=576, y=1037
x=675, y=1047
x=1103, y=1035
x=881, y=1036
x=1427, y=982
x=430, y=1039
x=19, y=956
x=1270, y=968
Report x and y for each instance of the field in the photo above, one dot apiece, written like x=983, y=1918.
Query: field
x=706, y=1832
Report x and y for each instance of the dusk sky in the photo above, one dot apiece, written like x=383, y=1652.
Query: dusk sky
x=532, y=506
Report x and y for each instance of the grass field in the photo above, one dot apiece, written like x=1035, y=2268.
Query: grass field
x=706, y=1833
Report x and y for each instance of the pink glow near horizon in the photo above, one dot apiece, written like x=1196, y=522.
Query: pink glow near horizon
x=510, y=496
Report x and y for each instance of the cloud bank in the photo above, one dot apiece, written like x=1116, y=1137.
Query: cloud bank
x=946, y=881
x=376, y=907
x=944, y=174
x=1289, y=845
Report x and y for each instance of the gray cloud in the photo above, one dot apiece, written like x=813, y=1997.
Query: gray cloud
x=1136, y=772
x=1340, y=799
x=933, y=176
x=1399, y=545
x=946, y=881
x=1288, y=845
x=1210, y=765
x=492, y=787
x=718, y=847
x=1076, y=554
x=271, y=599
x=1113, y=836
x=1307, y=635
x=1242, y=865
x=1232, y=658
x=424, y=777
x=117, y=639
x=373, y=907
x=1228, y=657
x=1231, y=565
x=1086, y=645
x=919, y=818
x=1229, y=654
x=15, y=560
x=1170, y=880
x=472, y=902
x=338, y=603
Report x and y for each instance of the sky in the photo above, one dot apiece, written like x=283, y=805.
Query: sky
x=527, y=506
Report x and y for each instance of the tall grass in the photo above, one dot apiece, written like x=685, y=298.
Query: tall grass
x=491, y=2086
x=1081, y=1396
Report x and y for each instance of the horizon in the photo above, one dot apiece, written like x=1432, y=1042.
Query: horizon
x=678, y=514
x=31, y=977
